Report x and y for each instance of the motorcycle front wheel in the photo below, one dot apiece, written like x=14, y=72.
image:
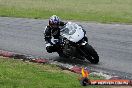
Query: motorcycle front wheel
x=91, y=54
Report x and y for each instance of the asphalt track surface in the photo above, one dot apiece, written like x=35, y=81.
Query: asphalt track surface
x=113, y=42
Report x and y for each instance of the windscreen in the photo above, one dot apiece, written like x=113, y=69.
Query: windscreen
x=69, y=29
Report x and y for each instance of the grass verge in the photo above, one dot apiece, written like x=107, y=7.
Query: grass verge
x=105, y=11
x=18, y=74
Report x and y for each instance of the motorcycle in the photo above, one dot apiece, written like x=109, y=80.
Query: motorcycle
x=74, y=44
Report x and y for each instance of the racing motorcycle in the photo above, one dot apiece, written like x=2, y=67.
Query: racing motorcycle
x=74, y=44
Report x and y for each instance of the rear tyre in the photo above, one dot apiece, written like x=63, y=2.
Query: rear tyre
x=61, y=54
x=91, y=54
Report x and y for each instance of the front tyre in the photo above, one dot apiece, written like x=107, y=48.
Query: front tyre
x=91, y=54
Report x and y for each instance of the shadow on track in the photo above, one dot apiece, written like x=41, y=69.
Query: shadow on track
x=73, y=61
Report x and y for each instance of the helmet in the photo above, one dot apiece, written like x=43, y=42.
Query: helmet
x=54, y=21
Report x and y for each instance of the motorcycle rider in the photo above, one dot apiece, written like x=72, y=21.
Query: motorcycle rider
x=65, y=48
x=52, y=31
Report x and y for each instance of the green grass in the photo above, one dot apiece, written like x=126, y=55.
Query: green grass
x=18, y=74
x=105, y=11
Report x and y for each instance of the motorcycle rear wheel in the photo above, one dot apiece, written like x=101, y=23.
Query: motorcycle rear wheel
x=61, y=54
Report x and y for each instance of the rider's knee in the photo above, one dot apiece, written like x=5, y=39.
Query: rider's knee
x=50, y=49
